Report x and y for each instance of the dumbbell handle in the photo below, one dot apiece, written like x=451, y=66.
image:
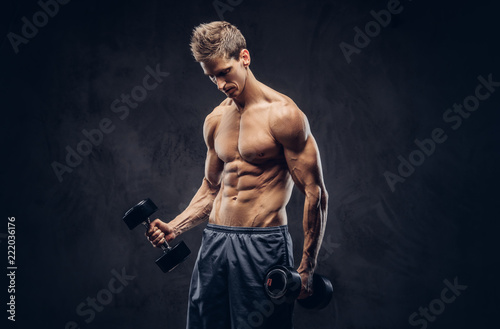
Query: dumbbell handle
x=165, y=246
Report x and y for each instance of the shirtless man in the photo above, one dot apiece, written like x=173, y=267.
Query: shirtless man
x=259, y=143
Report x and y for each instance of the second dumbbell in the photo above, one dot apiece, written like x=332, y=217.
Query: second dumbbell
x=285, y=282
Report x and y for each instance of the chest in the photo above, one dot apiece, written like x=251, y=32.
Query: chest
x=246, y=136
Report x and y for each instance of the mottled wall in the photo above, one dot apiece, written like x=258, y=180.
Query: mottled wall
x=387, y=252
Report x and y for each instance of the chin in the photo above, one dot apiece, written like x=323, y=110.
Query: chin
x=233, y=95
x=236, y=93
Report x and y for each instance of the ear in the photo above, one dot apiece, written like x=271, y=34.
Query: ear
x=245, y=57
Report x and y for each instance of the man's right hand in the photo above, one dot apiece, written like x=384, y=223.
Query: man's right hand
x=160, y=231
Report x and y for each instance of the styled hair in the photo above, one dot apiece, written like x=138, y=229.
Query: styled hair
x=217, y=39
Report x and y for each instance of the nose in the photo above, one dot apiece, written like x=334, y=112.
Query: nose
x=221, y=83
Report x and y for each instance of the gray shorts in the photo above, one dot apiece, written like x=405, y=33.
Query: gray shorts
x=227, y=286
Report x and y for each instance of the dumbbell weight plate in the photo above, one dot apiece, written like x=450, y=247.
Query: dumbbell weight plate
x=282, y=281
x=139, y=213
x=173, y=257
x=322, y=294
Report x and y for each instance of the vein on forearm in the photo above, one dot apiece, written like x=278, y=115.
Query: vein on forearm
x=314, y=223
x=198, y=210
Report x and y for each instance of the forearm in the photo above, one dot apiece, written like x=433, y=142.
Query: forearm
x=198, y=209
x=314, y=223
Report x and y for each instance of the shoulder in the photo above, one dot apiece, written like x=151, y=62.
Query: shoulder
x=288, y=123
x=212, y=121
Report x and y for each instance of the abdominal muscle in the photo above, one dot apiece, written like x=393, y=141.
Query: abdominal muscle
x=252, y=195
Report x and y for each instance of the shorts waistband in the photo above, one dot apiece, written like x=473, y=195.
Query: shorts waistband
x=247, y=230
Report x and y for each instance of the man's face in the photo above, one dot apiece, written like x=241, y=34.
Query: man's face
x=228, y=74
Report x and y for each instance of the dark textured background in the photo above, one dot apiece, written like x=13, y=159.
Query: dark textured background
x=386, y=252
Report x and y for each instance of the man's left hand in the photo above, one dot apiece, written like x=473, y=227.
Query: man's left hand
x=307, y=284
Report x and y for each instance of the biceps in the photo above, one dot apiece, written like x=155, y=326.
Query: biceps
x=213, y=167
x=305, y=166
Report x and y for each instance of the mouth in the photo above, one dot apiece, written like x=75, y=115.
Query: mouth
x=229, y=91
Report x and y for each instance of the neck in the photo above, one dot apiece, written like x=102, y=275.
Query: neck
x=252, y=92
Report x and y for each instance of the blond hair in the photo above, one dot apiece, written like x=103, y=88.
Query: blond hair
x=217, y=39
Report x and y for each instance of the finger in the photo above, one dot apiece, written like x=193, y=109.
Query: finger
x=156, y=232
x=155, y=235
x=155, y=241
x=304, y=294
x=155, y=224
x=159, y=238
x=150, y=230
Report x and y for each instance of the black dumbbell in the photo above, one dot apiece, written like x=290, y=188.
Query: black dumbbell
x=284, y=282
x=139, y=214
